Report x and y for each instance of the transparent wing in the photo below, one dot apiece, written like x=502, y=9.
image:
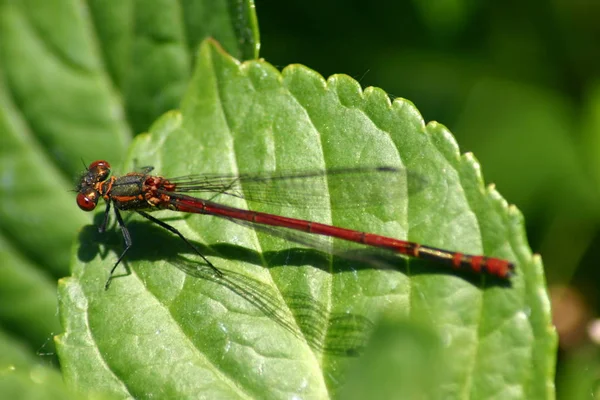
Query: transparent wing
x=351, y=187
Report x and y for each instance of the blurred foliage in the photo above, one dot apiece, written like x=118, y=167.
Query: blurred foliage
x=516, y=82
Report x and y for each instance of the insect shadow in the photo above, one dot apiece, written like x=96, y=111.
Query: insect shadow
x=338, y=334
x=151, y=242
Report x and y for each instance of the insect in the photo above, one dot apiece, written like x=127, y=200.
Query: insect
x=142, y=192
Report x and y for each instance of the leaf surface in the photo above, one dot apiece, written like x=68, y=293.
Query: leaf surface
x=286, y=321
x=77, y=80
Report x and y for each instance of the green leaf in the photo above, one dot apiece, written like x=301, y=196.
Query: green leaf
x=285, y=321
x=149, y=46
x=402, y=358
x=27, y=300
x=69, y=92
x=77, y=79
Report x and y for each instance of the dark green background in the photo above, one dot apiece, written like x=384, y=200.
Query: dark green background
x=517, y=83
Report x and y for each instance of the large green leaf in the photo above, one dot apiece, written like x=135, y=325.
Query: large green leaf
x=151, y=59
x=284, y=321
x=77, y=79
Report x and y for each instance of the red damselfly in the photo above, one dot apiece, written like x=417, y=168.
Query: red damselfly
x=142, y=192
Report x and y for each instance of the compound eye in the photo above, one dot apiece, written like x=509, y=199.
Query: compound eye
x=100, y=163
x=87, y=200
x=101, y=169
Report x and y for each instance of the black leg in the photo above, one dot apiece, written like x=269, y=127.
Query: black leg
x=128, y=242
x=102, y=227
x=175, y=231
